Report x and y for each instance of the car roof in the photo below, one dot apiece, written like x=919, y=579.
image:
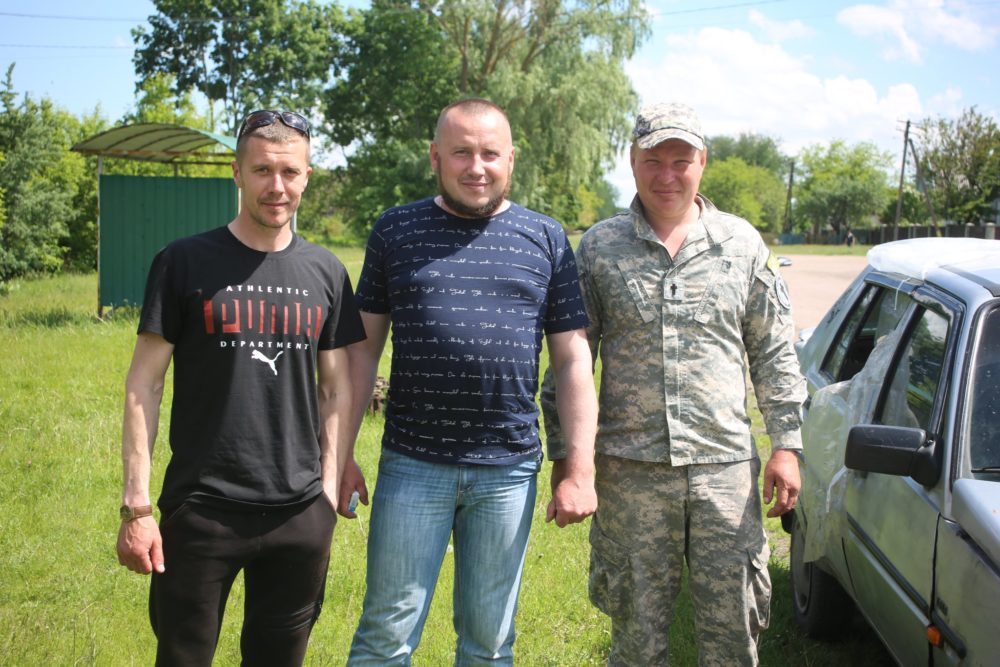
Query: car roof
x=976, y=260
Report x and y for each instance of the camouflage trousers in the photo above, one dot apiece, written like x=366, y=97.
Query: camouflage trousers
x=651, y=518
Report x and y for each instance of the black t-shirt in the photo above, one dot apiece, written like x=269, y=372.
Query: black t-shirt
x=246, y=328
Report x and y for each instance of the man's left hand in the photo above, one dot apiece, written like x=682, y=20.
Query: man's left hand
x=573, y=496
x=352, y=480
x=782, y=474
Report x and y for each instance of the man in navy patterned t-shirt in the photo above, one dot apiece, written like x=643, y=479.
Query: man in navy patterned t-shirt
x=470, y=283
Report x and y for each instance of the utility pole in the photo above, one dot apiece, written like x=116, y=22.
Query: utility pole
x=788, y=199
x=922, y=186
x=902, y=173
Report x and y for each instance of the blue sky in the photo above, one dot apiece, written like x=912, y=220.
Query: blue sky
x=801, y=71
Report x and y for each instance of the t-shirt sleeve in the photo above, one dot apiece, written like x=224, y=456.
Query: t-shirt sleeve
x=565, y=311
x=372, y=295
x=161, y=306
x=345, y=326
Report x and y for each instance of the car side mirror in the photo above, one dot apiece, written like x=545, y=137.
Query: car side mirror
x=893, y=450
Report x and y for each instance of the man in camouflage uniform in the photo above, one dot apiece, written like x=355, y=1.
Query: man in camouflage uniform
x=682, y=300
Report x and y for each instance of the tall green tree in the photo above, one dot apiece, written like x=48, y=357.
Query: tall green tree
x=38, y=181
x=555, y=66
x=844, y=186
x=749, y=191
x=80, y=242
x=245, y=54
x=960, y=160
x=912, y=209
x=157, y=101
x=608, y=195
x=756, y=150
x=318, y=217
x=396, y=76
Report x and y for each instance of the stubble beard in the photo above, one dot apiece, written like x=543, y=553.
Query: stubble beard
x=466, y=211
x=263, y=221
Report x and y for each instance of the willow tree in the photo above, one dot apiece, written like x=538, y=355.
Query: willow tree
x=555, y=66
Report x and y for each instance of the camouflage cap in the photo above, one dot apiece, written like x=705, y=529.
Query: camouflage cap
x=658, y=122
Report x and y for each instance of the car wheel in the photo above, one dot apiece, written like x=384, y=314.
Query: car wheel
x=822, y=608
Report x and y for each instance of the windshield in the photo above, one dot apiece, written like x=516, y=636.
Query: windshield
x=984, y=419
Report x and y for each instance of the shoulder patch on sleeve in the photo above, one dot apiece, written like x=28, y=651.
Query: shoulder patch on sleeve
x=772, y=262
x=781, y=292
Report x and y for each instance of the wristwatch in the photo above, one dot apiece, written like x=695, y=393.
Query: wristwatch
x=129, y=513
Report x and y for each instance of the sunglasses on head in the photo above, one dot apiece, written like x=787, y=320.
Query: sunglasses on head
x=265, y=117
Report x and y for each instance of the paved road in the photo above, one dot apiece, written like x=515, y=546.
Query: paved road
x=816, y=281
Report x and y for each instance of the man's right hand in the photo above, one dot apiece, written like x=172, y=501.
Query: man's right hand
x=573, y=495
x=140, y=547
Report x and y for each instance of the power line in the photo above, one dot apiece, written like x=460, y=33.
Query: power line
x=702, y=10
x=233, y=19
x=64, y=46
x=64, y=17
x=70, y=18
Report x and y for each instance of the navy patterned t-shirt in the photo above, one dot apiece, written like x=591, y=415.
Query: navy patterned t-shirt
x=469, y=301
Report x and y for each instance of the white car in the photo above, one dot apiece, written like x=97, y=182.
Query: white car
x=899, y=515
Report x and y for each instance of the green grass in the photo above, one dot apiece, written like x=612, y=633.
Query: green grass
x=856, y=250
x=64, y=600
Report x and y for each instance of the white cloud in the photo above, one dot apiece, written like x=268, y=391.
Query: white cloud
x=958, y=29
x=948, y=103
x=739, y=84
x=902, y=101
x=870, y=20
x=904, y=24
x=779, y=31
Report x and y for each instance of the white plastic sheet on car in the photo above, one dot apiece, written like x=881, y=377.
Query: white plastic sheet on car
x=917, y=257
x=834, y=410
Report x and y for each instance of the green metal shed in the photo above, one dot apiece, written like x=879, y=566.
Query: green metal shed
x=138, y=215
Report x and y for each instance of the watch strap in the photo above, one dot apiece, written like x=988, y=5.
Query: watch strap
x=130, y=513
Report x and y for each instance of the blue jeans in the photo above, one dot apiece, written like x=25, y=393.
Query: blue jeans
x=416, y=508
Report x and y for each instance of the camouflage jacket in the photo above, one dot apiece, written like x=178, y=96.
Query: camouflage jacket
x=676, y=338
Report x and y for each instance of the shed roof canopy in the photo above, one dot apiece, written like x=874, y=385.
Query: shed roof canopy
x=161, y=142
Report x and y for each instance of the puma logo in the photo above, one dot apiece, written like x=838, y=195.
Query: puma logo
x=259, y=356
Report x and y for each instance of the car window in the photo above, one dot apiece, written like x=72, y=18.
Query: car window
x=875, y=314
x=915, y=379
x=984, y=424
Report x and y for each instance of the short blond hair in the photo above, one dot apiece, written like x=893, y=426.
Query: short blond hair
x=276, y=133
x=473, y=105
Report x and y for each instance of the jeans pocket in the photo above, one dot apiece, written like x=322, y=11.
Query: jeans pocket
x=610, y=584
x=759, y=595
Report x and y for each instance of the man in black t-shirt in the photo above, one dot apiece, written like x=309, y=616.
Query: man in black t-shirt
x=256, y=321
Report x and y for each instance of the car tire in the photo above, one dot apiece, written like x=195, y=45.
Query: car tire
x=821, y=607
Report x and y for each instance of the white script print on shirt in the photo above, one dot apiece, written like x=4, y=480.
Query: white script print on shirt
x=259, y=356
